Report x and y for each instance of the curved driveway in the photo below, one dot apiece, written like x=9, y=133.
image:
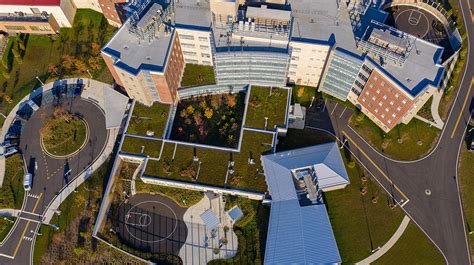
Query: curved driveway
x=49, y=176
x=438, y=214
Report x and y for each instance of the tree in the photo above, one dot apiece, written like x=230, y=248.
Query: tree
x=231, y=101
x=208, y=113
x=80, y=66
x=67, y=61
x=95, y=49
x=190, y=109
x=93, y=63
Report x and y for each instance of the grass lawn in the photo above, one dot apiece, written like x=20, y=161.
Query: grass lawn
x=63, y=134
x=134, y=146
x=251, y=232
x=184, y=198
x=248, y=176
x=262, y=105
x=371, y=224
x=51, y=58
x=196, y=75
x=12, y=192
x=412, y=248
x=6, y=224
x=73, y=241
x=213, y=164
x=466, y=178
x=303, y=95
x=212, y=120
x=149, y=119
x=387, y=143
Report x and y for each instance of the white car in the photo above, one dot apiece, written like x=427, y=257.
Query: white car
x=27, y=181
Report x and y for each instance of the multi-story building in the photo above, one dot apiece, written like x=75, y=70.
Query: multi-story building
x=63, y=11
x=303, y=42
x=114, y=11
x=38, y=24
x=145, y=57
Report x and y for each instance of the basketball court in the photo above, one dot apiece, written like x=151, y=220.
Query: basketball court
x=152, y=223
x=420, y=23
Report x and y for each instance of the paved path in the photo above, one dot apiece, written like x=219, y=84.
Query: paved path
x=435, y=108
x=390, y=243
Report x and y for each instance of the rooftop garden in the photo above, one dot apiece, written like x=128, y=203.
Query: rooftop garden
x=139, y=146
x=212, y=120
x=196, y=75
x=149, y=119
x=404, y=142
x=71, y=53
x=251, y=232
x=266, y=105
x=212, y=165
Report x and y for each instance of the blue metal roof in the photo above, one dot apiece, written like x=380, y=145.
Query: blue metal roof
x=210, y=219
x=235, y=213
x=300, y=235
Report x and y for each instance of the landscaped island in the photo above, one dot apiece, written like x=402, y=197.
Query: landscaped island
x=63, y=133
x=212, y=120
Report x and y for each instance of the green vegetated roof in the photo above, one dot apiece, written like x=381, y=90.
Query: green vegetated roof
x=263, y=104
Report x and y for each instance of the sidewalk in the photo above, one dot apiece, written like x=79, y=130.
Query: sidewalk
x=379, y=253
x=9, y=212
x=435, y=107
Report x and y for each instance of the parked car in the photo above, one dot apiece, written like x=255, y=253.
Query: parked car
x=470, y=137
x=10, y=142
x=10, y=151
x=27, y=181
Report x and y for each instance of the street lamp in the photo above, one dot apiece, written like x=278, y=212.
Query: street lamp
x=87, y=70
x=36, y=233
x=37, y=78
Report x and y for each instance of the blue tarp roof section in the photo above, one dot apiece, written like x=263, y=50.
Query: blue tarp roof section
x=210, y=219
x=278, y=166
x=300, y=235
x=235, y=213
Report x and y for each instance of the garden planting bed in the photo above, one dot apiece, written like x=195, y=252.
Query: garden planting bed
x=211, y=120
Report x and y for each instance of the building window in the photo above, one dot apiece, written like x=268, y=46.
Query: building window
x=204, y=47
x=397, y=95
x=12, y=27
x=188, y=45
x=186, y=37
x=189, y=53
x=391, y=102
x=202, y=38
x=206, y=55
x=384, y=96
x=295, y=58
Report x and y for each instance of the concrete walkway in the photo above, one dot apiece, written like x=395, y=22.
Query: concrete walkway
x=435, y=108
x=379, y=253
x=9, y=212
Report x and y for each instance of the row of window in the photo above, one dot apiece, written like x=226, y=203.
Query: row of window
x=34, y=28
x=191, y=37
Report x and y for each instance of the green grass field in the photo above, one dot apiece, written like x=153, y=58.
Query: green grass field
x=184, y=198
x=43, y=58
x=213, y=164
x=64, y=135
x=6, y=224
x=387, y=143
x=196, y=75
x=466, y=180
x=12, y=192
x=261, y=105
x=149, y=119
x=134, y=146
x=413, y=247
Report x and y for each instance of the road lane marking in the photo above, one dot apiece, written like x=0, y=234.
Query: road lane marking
x=378, y=168
x=340, y=116
x=470, y=10
x=26, y=227
x=334, y=109
x=462, y=108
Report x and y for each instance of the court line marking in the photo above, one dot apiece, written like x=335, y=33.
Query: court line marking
x=462, y=108
x=26, y=227
x=378, y=168
x=154, y=241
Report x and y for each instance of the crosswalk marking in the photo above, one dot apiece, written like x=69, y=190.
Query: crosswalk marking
x=27, y=238
x=35, y=196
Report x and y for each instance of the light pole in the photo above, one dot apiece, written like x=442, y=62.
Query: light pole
x=87, y=70
x=36, y=233
x=37, y=78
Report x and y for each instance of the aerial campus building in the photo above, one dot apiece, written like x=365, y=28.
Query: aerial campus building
x=344, y=49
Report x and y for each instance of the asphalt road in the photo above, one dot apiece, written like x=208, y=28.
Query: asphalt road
x=49, y=174
x=439, y=213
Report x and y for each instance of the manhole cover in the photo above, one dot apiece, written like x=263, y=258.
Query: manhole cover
x=428, y=192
